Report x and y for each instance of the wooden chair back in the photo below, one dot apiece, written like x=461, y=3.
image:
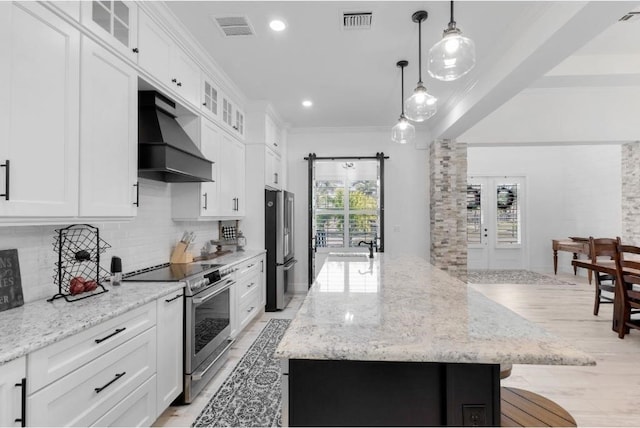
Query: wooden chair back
x=603, y=248
x=628, y=286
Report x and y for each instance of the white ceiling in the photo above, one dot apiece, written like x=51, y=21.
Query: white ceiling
x=352, y=77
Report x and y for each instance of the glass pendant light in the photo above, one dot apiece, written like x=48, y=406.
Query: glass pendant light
x=421, y=105
x=403, y=132
x=453, y=56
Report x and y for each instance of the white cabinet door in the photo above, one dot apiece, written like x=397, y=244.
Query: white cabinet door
x=232, y=168
x=155, y=47
x=109, y=134
x=170, y=349
x=167, y=62
x=11, y=392
x=210, y=146
x=115, y=22
x=239, y=123
x=271, y=134
x=39, y=89
x=272, y=168
x=186, y=74
x=210, y=97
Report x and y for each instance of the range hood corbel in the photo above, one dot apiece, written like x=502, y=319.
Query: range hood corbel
x=165, y=151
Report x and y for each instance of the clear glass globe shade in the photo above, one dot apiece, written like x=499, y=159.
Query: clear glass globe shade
x=403, y=132
x=452, y=57
x=421, y=105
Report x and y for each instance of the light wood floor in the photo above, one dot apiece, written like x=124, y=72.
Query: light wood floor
x=603, y=395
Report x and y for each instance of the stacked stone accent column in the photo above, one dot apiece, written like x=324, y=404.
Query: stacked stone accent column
x=448, y=206
x=630, y=164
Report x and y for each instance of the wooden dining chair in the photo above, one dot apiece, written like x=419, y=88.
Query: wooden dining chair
x=628, y=287
x=600, y=248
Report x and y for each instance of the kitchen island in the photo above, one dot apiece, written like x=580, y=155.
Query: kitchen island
x=398, y=342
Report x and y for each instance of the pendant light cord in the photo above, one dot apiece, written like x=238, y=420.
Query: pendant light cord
x=451, y=21
x=420, y=52
x=402, y=90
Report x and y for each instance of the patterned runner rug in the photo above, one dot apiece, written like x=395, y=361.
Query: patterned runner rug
x=250, y=396
x=512, y=277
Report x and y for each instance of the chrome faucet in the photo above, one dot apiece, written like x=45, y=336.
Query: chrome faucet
x=370, y=244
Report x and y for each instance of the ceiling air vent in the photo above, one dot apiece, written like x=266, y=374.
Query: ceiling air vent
x=234, y=25
x=631, y=16
x=356, y=20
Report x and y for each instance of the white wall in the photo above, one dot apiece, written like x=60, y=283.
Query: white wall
x=145, y=241
x=571, y=190
x=406, y=188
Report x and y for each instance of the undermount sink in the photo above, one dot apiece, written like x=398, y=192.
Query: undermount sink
x=349, y=257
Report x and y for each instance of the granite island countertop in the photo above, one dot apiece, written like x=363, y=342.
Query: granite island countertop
x=37, y=324
x=405, y=309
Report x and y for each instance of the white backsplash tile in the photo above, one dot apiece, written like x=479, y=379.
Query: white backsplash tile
x=144, y=241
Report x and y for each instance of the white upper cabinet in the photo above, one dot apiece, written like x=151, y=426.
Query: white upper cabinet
x=272, y=134
x=114, y=22
x=186, y=76
x=232, y=117
x=210, y=98
x=165, y=61
x=231, y=186
x=108, y=134
x=199, y=201
x=39, y=116
x=272, y=169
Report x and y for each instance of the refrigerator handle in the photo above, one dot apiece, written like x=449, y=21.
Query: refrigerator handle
x=290, y=264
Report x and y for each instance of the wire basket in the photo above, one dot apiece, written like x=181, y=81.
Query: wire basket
x=79, y=247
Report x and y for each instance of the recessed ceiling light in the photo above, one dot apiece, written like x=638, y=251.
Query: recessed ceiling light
x=277, y=25
x=307, y=103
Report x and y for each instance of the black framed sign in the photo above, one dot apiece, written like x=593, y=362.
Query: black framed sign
x=10, y=282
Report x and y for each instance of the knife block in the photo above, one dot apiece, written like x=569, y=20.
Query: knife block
x=180, y=254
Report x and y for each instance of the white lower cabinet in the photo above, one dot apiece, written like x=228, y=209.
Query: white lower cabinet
x=136, y=410
x=11, y=392
x=249, y=296
x=122, y=372
x=90, y=392
x=170, y=351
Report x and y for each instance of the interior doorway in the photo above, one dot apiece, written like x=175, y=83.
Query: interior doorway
x=496, y=236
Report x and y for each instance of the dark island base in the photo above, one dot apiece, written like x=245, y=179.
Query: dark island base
x=370, y=393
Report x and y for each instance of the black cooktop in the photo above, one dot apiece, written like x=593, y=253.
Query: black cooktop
x=171, y=273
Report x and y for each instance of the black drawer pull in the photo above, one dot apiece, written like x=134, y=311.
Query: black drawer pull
x=6, y=179
x=118, y=376
x=173, y=298
x=23, y=415
x=118, y=330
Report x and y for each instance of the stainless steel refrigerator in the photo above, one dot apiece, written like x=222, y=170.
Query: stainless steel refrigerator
x=279, y=239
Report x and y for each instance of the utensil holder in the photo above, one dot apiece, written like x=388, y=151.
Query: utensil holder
x=180, y=254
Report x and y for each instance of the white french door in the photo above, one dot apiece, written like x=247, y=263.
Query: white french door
x=496, y=223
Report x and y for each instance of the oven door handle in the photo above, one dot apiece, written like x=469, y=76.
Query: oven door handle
x=198, y=375
x=199, y=300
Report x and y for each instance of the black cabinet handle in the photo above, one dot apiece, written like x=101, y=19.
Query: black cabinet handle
x=204, y=104
x=173, y=298
x=275, y=144
x=23, y=412
x=118, y=376
x=174, y=80
x=135, y=50
x=6, y=180
x=137, y=202
x=179, y=83
x=118, y=330
x=276, y=175
x=205, y=200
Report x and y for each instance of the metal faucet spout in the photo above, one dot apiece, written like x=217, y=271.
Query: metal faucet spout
x=370, y=244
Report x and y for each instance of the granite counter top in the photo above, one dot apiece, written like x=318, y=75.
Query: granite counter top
x=385, y=309
x=38, y=324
